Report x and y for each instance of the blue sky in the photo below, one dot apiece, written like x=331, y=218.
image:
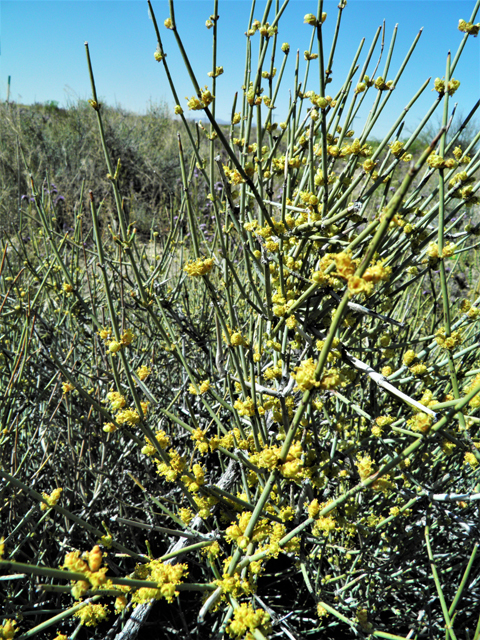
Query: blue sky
x=42, y=49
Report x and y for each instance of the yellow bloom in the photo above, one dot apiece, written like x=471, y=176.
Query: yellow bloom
x=105, y=334
x=128, y=416
x=246, y=619
x=199, y=267
x=50, y=500
x=245, y=407
x=120, y=604
x=408, y=357
x=358, y=285
x=194, y=104
x=304, y=375
x=7, y=630
x=66, y=387
x=470, y=459
x=365, y=466
x=92, y=614
x=117, y=401
x=114, y=346
x=420, y=422
x=127, y=337
x=143, y=372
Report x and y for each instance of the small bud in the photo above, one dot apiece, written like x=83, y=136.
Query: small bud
x=114, y=346
x=469, y=27
x=310, y=19
x=168, y=23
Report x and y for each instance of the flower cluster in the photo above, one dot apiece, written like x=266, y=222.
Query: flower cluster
x=246, y=619
x=88, y=564
x=199, y=267
x=167, y=576
x=115, y=345
x=92, y=614
x=469, y=27
x=7, y=629
x=452, y=86
x=52, y=499
x=450, y=342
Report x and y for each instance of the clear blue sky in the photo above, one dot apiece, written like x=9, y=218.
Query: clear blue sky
x=42, y=49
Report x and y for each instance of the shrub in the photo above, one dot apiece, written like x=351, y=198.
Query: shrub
x=283, y=378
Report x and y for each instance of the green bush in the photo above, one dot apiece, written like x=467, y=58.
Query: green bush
x=280, y=393
x=62, y=146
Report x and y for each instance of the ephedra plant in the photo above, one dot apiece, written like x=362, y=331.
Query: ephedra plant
x=289, y=384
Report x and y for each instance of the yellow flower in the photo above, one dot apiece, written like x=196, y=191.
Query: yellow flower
x=205, y=386
x=120, y=604
x=105, y=334
x=396, y=148
x=246, y=407
x=469, y=27
x=377, y=272
x=127, y=337
x=7, y=630
x=470, y=459
x=114, y=346
x=143, y=372
x=214, y=74
x=345, y=265
x=66, y=387
x=420, y=422
x=305, y=375
x=246, y=619
x=358, y=285
x=194, y=104
x=199, y=267
x=166, y=576
x=237, y=339
x=365, y=466
x=50, y=500
x=128, y=416
x=117, y=401
x=408, y=357
x=207, y=97
x=92, y=614
x=321, y=611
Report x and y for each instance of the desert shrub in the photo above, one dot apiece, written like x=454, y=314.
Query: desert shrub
x=281, y=392
x=63, y=144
